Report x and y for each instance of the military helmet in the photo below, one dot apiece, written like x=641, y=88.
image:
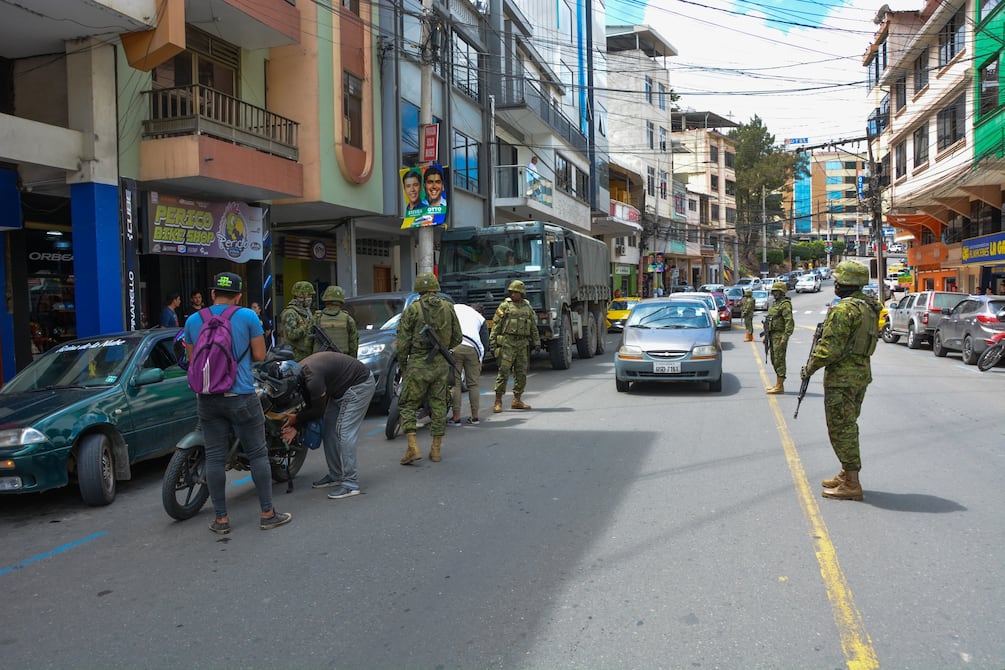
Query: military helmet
x=333, y=294
x=780, y=286
x=517, y=285
x=427, y=283
x=851, y=273
x=748, y=292
x=303, y=289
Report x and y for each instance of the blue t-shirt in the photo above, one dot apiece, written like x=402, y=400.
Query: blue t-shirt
x=169, y=318
x=244, y=325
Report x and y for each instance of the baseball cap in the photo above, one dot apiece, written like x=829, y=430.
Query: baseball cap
x=228, y=282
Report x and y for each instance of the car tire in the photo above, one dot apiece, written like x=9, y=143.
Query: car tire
x=937, y=347
x=96, y=470
x=587, y=344
x=716, y=386
x=560, y=349
x=969, y=357
x=601, y=334
x=621, y=385
x=888, y=335
x=913, y=340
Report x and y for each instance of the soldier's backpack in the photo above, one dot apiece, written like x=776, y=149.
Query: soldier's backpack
x=213, y=367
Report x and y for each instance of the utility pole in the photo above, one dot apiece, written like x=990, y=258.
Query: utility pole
x=876, y=203
x=764, y=233
x=425, y=250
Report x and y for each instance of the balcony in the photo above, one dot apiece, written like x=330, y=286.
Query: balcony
x=523, y=196
x=623, y=219
x=201, y=141
x=250, y=24
x=521, y=105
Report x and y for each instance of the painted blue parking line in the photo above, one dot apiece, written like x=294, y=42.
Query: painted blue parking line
x=243, y=480
x=49, y=554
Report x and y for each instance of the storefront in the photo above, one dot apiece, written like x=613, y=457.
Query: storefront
x=624, y=281
x=983, y=260
x=52, y=316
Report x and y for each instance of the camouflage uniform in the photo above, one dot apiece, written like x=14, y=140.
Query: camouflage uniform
x=514, y=333
x=296, y=319
x=424, y=377
x=337, y=324
x=844, y=350
x=747, y=310
x=780, y=327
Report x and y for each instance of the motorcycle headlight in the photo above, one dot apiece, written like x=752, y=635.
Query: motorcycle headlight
x=17, y=437
x=366, y=350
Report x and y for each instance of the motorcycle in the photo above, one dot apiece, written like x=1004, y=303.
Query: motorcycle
x=185, y=490
x=994, y=352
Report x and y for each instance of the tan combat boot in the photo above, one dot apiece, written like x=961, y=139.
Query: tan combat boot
x=838, y=479
x=749, y=337
x=434, y=450
x=497, y=407
x=518, y=403
x=849, y=489
x=413, y=453
x=779, y=386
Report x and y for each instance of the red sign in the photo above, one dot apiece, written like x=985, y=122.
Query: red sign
x=430, y=143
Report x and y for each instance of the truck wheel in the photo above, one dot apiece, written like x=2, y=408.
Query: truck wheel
x=913, y=340
x=560, y=348
x=601, y=332
x=888, y=335
x=587, y=344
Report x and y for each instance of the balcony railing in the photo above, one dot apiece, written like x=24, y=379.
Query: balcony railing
x=516, y=181
x=191, y=110
x=517, y=91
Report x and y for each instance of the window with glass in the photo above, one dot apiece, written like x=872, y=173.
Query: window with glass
x=987, y=81
x=352, y=110
x=952, y=121
x=714, y=181
x=651, y=180
x=952, y=38
x=900, y=160
x=649, y=90
x=569, y=83
x=663, y=184
x=714, y=213
x=563, y=174
x=465, y=68
x=207, y=61
x=410, y=134
x=730, y=159
x=919, y=138
x=663, y=139
x=988, y=6
x=663, y=96
x=900, y=93
x=921, y=71
x=464, y=154
x=730, y=215
x=351, y=5
x=713, y=154
x=650, y=135
x=730, y=187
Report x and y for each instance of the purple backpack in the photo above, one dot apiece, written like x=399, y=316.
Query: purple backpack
x=213, y=368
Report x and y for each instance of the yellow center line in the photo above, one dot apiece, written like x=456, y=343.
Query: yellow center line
x=855, y=642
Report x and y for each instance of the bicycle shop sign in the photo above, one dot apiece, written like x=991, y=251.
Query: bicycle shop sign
x=204, y=229
x=986, y=249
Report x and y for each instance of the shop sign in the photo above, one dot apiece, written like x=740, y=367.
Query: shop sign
x=204, y=229
x=623, y=269
x=983, y=250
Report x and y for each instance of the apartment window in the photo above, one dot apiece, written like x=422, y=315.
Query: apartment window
x=715, y=213
x=730, y=187
x=920, y=141
x=464, y=153
x=207, y=61
x=663, y=139
x=713, y=154
x=921, y=70
x=582, y=184
x=601, y=120
x=900, y=160
x=465, y=70
x=563, y=174
x=352, y=110
x=410, y=134
x=351, y=5
x=952, y=122
x=730, y=215
x=900, y=93
x=988, y=86
x=649, y=90
x=569, y=82
x=663, y=184
x=663, y=97
x=987, y=6
x=650, y=135
x=730, y=159
x=952, y=38
x=651, y=180
x=715, y=182
x=692, y=205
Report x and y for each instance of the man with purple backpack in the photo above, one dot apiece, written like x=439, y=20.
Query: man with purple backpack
x=220, y=374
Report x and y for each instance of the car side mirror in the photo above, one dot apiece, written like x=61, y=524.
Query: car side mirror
x=148, y=376
x=1000, y=315
x=893, y=304
x=558, y=263
x=947, y=312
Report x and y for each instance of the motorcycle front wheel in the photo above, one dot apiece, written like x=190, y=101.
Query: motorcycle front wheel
x=990, y=357
x=393, y=424
x=184, y=490
x=297, y=457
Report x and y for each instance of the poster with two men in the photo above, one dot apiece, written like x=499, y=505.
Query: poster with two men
x=424, y=189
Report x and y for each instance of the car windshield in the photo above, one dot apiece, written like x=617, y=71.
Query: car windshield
x=668, y=315
x=618, y=305
x=734, y=292
x=720, y=300
x=489, y=253
x=760, y=295
x=375, y=314
x=76, y=364
x=946, y=300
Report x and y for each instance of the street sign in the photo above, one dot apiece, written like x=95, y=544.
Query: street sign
x=799, y=140
x=430, y=142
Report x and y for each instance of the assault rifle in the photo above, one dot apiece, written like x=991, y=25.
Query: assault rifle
x=766, y=336
x=325, y=340
x=437, y=346
x=806, y=382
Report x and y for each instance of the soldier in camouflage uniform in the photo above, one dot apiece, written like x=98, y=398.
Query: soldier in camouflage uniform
x=779, y=327
x=296, y=319
x=424, y=369
x=747, y=306
x=514, y=333
x=337, y=324
x=843, y=350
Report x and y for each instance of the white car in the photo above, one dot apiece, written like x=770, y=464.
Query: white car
x=808, y=283
x=709, y=301
x=752, y=283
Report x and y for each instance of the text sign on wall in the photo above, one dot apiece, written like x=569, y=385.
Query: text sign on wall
x=430, y=137
x=986, y=249
x=204, y=229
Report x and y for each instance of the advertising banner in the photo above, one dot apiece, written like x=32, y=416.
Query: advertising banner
x=204, y=229
x=984, y=250
x=425, y=196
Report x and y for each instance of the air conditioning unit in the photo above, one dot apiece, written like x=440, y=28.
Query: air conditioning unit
x=619, y=250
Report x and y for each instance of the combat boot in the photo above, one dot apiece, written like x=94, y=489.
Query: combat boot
x=779, y=386
x=413, y=453
x=518, y=403
x=434, y=450
x=849, y=489
x=838, y=479
x=749, y=337
x=497, y=407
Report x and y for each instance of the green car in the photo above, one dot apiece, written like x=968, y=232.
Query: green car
x=89, y=409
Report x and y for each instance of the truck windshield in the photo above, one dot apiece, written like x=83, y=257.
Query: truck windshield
x=488, y=253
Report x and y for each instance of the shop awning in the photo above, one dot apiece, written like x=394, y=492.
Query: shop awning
x=916, y=223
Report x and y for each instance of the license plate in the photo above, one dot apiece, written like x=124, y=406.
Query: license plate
x=10, y=483
x=666, y=368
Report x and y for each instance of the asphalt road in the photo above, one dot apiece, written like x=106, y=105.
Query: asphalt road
x=668, y=527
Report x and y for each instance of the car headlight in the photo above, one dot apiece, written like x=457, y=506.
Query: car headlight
x=17, y=437
x=630, y=352
x=370, y=350
x=704, y=351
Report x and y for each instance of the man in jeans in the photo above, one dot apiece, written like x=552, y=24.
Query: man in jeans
x=237, y=411
x=339, y=388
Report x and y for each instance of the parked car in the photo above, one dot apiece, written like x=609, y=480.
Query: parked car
x=617, y=312
x=707, y=299
x=916, y=314
x=725, y=314
x=968, y=327
x=762, y=300
x=669, y=340
x=789, y=278
x=734, y=294
x=752, y=283
x=712, y=288
x=808, y=283
x=88, y=409
x=377, y=317
x=824, y=272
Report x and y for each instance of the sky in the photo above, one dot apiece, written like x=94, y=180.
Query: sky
x=797, y=64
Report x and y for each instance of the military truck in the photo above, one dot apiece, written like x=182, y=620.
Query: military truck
x=566, y=274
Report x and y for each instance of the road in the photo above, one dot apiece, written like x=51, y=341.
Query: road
x=668, y=527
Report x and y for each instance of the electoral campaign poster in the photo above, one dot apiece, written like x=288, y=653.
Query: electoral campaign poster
x=424, y=189
x=204, y=229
